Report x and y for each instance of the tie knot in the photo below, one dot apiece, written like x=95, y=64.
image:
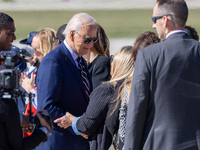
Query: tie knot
x=80, y=64
x=79, y=59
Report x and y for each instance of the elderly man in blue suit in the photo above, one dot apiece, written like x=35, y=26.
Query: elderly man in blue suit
x=64, y=83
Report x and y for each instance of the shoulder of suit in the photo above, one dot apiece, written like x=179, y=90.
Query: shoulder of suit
x=106, y=87
x=102, y=60
x=54, y=56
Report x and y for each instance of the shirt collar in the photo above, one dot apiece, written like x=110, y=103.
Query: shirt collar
x=73, y=54
x=177, y=31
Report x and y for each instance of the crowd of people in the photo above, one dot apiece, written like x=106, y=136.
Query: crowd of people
x=146, y=96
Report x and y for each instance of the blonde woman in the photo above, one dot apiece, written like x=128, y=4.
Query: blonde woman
x=43, y=42
x=102, y=99
x=143, y=40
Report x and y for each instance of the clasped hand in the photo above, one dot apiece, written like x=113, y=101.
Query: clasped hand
x=65, y=121
x=26, y=82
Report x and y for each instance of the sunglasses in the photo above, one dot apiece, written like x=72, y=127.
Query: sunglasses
x=154, y=18
x=54, y=38
x=88, y=40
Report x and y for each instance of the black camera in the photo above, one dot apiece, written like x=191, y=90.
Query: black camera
x=9, y=81
x=9, y=76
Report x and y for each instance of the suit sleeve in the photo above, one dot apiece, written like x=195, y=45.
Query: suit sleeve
x=138, y=104
x=97, y=109
x=49, y=87
x=101, y=71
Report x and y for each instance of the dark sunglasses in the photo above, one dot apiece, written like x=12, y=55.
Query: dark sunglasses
x=154, y=18
x=88, y=40
x=54, y=38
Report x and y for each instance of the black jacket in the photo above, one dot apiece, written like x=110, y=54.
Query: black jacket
x=102, y=102
x=99, y=70
x=11, y=137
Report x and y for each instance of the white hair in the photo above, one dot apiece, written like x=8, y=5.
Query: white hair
x=78, y=21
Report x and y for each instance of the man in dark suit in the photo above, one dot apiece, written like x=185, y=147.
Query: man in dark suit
x=60, y=82
x=163, y=110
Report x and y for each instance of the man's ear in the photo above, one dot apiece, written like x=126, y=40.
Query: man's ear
x=71, y=35
x=165, y=21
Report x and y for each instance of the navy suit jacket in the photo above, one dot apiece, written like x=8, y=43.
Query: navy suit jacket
x=61, y=90
x=164, y=104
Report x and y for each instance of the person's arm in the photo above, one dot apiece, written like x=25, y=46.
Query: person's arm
x=101, y=71
x=138, y=104
x=67, y=121
x=14, y=135
x=95, y=114
x=39, y=135
x=49, y=87
x=97, y=109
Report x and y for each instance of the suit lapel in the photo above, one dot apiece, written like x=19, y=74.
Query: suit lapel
x=69, y=60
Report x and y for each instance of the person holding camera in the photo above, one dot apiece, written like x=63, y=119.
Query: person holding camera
x=10, y=123
x=7, y=36
x=7, y=33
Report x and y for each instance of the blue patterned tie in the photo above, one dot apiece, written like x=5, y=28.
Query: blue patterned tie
x=82, y=70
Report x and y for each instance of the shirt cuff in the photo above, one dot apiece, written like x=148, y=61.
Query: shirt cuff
x=74, y=126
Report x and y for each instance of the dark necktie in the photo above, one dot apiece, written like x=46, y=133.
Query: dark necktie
x=82, y=70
